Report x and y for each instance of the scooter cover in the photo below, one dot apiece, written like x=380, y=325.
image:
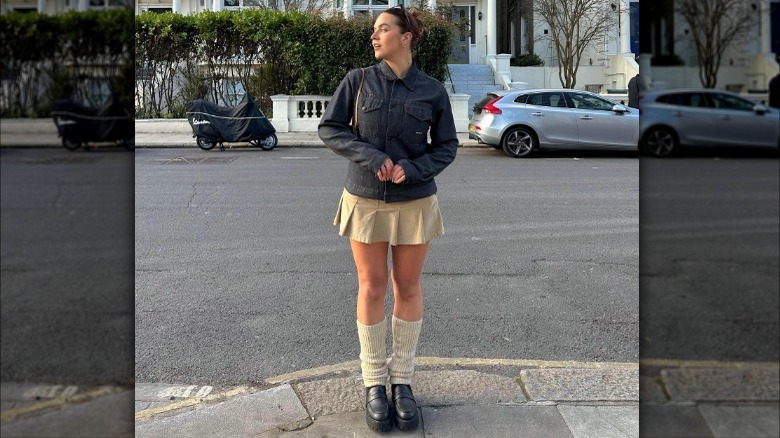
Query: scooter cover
x=83, y=123
x=216, y=123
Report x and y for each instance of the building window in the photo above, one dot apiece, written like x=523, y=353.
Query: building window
x=108, y=4
x=238, y=4
x=366, y=7
x=155, y=9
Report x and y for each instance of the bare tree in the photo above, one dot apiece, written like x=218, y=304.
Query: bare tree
x=714, y=25
x=574, y=27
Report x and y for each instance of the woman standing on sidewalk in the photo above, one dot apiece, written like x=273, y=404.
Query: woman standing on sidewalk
x=379, y=119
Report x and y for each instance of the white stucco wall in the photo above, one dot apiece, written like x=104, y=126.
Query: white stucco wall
x=547, y=77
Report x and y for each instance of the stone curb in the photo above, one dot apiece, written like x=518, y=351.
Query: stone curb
x=341, y=391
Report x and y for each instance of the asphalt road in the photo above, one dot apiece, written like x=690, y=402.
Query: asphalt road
x=709, y=259
x=240, y=274
x=67, y=266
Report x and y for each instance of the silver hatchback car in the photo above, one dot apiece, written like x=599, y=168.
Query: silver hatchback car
x=522, y=121
x=704, y=117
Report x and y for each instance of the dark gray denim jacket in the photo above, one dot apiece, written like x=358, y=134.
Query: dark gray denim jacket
x=394, y=116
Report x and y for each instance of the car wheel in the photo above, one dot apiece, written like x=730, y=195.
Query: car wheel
x=660, y=142
x=519, y=142
x=205, y=144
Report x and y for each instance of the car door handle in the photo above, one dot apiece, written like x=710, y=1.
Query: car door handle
x=726, y=118
x=586, y=118
x=677, y=113
x=538, y=114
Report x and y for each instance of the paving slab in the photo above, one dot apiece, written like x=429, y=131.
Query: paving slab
x=744, y=421
x=349, y=424
x=566, y=384
x=494, y=422
x=240, y=416
x=601, y=421
x=704, y=384
x=331, y=396
x=107, y=416
x=672, y=421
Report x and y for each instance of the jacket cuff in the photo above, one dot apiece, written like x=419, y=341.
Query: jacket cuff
x=412, y=175
x=377, y=162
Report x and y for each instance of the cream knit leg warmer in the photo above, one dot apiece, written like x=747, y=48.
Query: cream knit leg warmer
x=401, y=363
x=373, y=353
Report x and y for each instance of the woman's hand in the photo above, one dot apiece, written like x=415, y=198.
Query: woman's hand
x=398, y=176
x=385, y=170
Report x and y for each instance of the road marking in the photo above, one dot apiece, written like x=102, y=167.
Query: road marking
x=185, y=391
x=298, y=158
x=58, y=402
x=50, y=391
x=148, y=413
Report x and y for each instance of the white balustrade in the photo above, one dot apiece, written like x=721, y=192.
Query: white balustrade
x=298, y=113
x=303, y=113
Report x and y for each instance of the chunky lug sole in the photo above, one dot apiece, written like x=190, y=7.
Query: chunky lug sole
x=379, y=426
x=410, y=424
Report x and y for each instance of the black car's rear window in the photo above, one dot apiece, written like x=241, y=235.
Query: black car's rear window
x=485, y=100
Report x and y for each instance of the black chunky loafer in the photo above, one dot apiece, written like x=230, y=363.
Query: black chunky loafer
x=406, y=415
x=378, y=409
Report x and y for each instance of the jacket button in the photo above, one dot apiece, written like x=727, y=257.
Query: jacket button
x=364, y=108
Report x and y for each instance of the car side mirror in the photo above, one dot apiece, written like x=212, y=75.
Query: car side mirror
x=619, y=108
x=759, y=108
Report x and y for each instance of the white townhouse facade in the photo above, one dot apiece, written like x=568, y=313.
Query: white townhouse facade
x=747, y=65
x=488, y=28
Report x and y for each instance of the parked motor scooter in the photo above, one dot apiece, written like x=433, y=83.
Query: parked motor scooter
x=213, y=124
x=79, y=124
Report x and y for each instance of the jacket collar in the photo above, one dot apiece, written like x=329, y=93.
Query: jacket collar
x=409, y=80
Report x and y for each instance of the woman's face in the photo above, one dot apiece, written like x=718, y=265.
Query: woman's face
x=387, y=39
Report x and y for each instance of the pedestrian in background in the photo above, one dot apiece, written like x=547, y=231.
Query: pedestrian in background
x=774, y=87
x=636, y=86
x=379, y=118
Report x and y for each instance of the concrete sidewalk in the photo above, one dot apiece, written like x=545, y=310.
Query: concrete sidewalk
x=497, y=399
x=150, y=133
x=457, y=398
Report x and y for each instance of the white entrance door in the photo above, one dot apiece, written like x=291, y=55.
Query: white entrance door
x=463, y=41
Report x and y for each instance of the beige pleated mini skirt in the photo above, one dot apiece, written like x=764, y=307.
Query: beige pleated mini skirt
x=399, y=223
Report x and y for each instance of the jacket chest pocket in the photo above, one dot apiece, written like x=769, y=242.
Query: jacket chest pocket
x=369, y=114
x=418, y=117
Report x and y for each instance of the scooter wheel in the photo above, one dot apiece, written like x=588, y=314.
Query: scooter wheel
x=205, y=144
x=267, y=143
x=69, y=144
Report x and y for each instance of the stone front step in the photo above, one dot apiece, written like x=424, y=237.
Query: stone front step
x=476, y=80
